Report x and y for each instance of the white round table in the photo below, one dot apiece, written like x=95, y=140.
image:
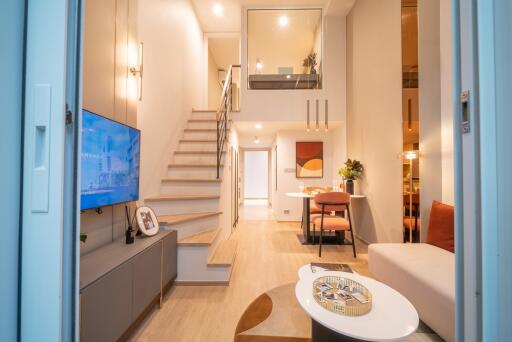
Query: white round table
x=391, y=318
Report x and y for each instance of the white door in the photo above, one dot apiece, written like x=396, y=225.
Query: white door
x=49, y=240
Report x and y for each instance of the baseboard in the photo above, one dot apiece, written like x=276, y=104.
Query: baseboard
x=201, y=283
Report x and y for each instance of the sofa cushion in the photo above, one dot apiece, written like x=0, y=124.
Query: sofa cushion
x=441, y=226
x=424, y=274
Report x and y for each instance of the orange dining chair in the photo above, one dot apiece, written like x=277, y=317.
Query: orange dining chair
x=336, y=202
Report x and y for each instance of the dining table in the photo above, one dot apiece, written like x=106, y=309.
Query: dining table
x=308, y=238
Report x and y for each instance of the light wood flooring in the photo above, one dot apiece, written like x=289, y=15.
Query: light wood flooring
x=269, y=255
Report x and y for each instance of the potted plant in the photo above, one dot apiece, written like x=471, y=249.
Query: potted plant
x=352, y=171
x=310, y=63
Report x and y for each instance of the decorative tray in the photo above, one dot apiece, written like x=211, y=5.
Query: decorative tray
x=342, y=296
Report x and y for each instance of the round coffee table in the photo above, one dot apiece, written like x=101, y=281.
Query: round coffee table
x=391, y=318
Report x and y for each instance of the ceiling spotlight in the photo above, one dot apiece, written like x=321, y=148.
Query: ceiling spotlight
x=218, y=10
x=258, y=126
x=256, y=140
x=283, y=21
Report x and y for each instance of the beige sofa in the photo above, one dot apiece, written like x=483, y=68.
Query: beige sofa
x=423, y=273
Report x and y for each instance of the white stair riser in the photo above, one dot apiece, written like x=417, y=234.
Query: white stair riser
x=204, y=115
x=200, y=124
x=186, y=229
x=199, y=135
x=192, y=172
x=184, y=206
x=212, y=147
x=190, y=188
x=196, y=159
x=193, y=266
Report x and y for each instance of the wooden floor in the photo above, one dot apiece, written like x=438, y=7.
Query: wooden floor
x=269, y=255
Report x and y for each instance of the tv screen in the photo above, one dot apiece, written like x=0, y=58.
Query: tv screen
x=110, y=162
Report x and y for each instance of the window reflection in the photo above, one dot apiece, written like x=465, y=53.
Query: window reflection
x=284, y=49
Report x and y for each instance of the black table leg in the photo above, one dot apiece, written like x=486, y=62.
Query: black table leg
x=306, y=218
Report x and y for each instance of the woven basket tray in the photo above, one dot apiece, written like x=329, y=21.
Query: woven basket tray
x=339, y=305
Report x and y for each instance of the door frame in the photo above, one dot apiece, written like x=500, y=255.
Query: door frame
x=243, y=150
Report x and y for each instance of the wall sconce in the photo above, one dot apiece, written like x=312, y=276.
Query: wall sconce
x=137, y=71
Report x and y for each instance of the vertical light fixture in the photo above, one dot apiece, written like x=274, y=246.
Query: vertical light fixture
x=409, y=114
x=308, y=127
x=136, y=71
x=327, y=115
x=411, y=155
x=317, y=115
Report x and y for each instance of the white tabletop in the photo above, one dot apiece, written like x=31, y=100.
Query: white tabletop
x=305, y=195
x=391, y=318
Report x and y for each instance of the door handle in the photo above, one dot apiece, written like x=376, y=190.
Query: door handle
x=41, y=109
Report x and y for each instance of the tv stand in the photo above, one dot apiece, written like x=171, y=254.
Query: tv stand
x=120, y=284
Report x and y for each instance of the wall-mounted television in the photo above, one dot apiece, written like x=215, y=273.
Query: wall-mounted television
x=110, y=159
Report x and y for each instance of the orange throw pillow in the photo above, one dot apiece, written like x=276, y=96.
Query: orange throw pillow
x=441, y=226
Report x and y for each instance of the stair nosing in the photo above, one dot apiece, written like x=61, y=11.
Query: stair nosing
x=223, y=264
x=198, y=216
x=194, y=165
x=191, y=180
x=164, y=198
x=197, y=152
x=215, y=232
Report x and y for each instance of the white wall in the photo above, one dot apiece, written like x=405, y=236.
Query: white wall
x=214, y=87
x=290, y=105
x=256, y=166
x=173, y=70
x=374, y=115
x=445, y=34
x=430, y=109
x=286, y=178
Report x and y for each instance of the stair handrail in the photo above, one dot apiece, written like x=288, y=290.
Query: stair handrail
x=223, y=115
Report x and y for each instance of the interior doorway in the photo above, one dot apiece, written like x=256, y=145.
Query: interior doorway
x=256, y=180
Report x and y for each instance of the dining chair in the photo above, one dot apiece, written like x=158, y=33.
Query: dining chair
x=337, y=202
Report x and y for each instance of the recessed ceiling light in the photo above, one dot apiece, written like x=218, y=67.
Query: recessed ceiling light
x=283, y=21
x=218, y=10
x=258, y=126
x=256, y=140
x=288, y=76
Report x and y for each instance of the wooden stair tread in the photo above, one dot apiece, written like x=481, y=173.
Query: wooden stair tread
x=205, y=238
x=159, y=198
x=194, y=165
x=202, y=120
x=224, y=255
x=181, y=218
x=191, y=180
x=211, y=111
x=202, y=129
x=201, y=141
x=197, y=152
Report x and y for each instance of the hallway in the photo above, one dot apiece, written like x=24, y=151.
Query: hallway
x=269, y=255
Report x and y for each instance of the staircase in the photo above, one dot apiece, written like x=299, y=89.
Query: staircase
x=190, y=202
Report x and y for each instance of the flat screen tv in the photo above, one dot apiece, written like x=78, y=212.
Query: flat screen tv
x=110, y=159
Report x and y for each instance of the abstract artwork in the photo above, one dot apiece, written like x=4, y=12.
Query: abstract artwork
x=309, y=159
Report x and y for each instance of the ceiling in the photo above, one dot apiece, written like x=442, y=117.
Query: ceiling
x=231, y=20
x=225, y=51
x=247, y=131
x=278, y=46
